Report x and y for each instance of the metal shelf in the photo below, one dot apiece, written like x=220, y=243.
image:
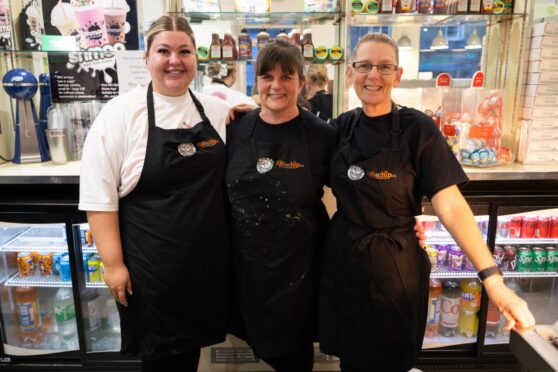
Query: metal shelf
x=41, y=238
x=501, y=241
x=270, y=18
x=89, y=249
x=529, y=274
x=37, y=280
x=445, y=273
x=95, y=285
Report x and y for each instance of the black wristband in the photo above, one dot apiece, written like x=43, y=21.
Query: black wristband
x=489, y=271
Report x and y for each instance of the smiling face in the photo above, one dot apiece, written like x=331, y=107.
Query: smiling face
x=278, y=91
x=171, y=61
x=372, y=88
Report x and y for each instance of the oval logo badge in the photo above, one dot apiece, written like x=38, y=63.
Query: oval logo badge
x=355, y=173
x=264, y=165
x=186, y=149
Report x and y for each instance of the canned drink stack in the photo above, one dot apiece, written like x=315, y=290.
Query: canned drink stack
x=543, y=227
x=551, y=260
x=515, y=226
x=539, y=259
x=524, y=259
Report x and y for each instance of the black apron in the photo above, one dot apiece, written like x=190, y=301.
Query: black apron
x=175, y=242
x=374, y=285
x=278, y=223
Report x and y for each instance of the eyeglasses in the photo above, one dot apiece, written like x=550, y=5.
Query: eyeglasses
x=383, y=68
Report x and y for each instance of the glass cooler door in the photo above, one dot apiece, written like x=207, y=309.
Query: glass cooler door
x=455, y=292
x=100, y=316
x=36, y=298
x=526, y=249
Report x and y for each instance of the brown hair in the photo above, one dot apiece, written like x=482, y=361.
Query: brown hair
x=214, y=69
x=378, y=37
x=317, y=74
x=283, y=53
x=168, y=23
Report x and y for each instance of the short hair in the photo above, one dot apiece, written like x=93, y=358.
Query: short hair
x=317, y=73
x=215, y=70
x=283, y=53
x=168, y=23
x=378, y=37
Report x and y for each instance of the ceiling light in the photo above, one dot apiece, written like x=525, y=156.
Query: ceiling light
x=474, y=41
x=439, y=41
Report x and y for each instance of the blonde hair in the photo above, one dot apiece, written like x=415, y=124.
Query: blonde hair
x=317, y=74
x=378, y=37
x=168, y=23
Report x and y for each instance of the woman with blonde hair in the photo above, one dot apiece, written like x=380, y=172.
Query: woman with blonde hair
x=321, y=102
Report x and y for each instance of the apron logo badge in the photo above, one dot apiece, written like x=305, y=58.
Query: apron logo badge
x=381, y=175
x=207, y=143
x=186, y=149
x=264, y=165
x=289, y=164
x=355, y=173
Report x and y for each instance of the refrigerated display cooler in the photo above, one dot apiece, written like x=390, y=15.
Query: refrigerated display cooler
x=59, y=271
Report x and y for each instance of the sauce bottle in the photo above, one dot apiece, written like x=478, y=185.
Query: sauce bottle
x=405, y=6
x=307, y=45
x=28, y=314
x=440, y=7
x=215, y=49
x=244, y=45
x=475, y=6
x=282, y=34
x=386, y=6
x=262, y=38
x=424, y=6
x=486, y=6
x=462, y=7
x=228, y=47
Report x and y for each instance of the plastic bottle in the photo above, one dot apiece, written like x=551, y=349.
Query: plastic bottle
x=244, y=45
x=215, y=49
x=475, y=6
x=386, y=6
x=492, y=320
x=440, y=7
x=228, y=48
x=92, y=307
x=434, y=308
x=451, y=294
x=469, y=306
x=28, y=314
x=424, y=6
x=262, y=38
x=65, y=314
x=405, y=6
x=307, y=45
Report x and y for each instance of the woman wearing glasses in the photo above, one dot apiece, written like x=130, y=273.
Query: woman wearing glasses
x=374, y=286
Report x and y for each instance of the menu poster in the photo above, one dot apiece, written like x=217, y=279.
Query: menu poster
x=78, y=76
x=94, y=23
x=102, y=28
x=31, y=25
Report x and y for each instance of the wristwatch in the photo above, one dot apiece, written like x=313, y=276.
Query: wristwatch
x=489, y=271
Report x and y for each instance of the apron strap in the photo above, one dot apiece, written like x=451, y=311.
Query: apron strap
x=150, y=106
x=395, y=127
x=352, y=126
x=199, y=106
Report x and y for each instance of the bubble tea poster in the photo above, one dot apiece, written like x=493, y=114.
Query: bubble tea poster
x=101, y=28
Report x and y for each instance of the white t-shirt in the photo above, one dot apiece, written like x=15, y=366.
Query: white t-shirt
x=229, y=95
x=114, y=150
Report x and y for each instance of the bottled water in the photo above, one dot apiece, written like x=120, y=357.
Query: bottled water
x=65, y=313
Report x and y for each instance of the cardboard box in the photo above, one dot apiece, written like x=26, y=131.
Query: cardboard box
x=536, y=54
x=544, y=65
x=541, y=90
x=530, y=113
x=546, y=41
x=546, y=77
x=540, y=101
x=544, y=28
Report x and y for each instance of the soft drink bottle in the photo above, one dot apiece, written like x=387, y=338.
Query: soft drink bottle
x=492, y=320
x=28, y=314
x=434, y=307
x=65, y=313
x=469, y=306
x=449, y=314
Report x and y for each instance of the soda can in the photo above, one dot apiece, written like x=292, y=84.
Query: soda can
x=65, y=273
x=45, y=263
x=442, y=255
x=25, y=265
x=455, y=258
x=551, y=260
x=553, y=233
x=483, y=227
x=499, y=256
x=102, y=270
x=467, y=264
x=528, y=227
x=539, y=259
x=515, y=226
x=94, y=269
x=543, y=227
x=510, y=255
x=503, y=227
x=56, y=263
x=524, y=259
